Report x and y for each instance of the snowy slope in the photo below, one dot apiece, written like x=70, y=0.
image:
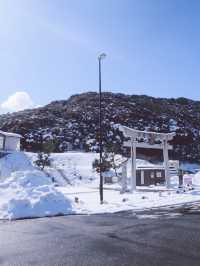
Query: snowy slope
x=76, y=167
x=70, y=168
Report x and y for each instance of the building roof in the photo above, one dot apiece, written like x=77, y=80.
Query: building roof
x=159, y=167
x=8, y=134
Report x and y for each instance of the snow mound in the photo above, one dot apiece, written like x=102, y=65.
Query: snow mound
x=27, y=179
x=31, y=194
x=196, y=179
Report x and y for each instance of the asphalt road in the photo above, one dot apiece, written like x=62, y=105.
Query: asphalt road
x=159, y=237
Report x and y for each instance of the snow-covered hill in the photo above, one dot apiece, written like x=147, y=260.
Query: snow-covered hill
x=73, y=123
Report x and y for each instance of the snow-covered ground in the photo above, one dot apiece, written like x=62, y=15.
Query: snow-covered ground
x=114, y=201
x=26, y=191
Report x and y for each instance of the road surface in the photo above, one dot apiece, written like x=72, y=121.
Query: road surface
x=159, y=237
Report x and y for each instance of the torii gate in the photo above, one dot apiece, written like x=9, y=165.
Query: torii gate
x=145, y=139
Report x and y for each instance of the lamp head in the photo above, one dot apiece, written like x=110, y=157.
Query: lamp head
x=101, y=56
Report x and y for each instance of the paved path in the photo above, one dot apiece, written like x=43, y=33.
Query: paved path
x=159, y=237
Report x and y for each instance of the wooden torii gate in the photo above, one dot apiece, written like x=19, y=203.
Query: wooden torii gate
x=147, y=140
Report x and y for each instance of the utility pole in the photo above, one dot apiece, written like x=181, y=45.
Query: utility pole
x=100, y=57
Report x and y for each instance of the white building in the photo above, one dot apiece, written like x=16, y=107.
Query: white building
x=9, y=141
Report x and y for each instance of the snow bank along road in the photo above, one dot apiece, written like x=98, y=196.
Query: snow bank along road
x=159, y=237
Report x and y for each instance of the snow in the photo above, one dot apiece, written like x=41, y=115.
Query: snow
x=31, y=194
x=173, y=125
x=28, y=192
x=191, y=167
x=25, y=191
x=76, y=167
x=13, y=162
x=196, y=179
x=143, y=198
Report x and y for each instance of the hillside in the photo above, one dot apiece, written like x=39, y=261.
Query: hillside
x=73, y=123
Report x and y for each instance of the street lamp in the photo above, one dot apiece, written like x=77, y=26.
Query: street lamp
x=100, y=57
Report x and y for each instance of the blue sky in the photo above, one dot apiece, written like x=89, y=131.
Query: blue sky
x=49, y=49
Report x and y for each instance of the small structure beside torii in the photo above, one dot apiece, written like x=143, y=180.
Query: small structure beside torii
x=147, y=140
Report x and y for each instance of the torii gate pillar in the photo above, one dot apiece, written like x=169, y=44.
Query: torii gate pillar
x=133, y=165
x=166, y=163
x=124, y=177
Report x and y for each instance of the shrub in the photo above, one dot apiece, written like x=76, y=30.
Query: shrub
x=43, y=159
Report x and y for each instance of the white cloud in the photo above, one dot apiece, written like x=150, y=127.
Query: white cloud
x=20, y=100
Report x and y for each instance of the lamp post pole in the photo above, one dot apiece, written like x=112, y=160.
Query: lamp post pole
x=101, y=56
